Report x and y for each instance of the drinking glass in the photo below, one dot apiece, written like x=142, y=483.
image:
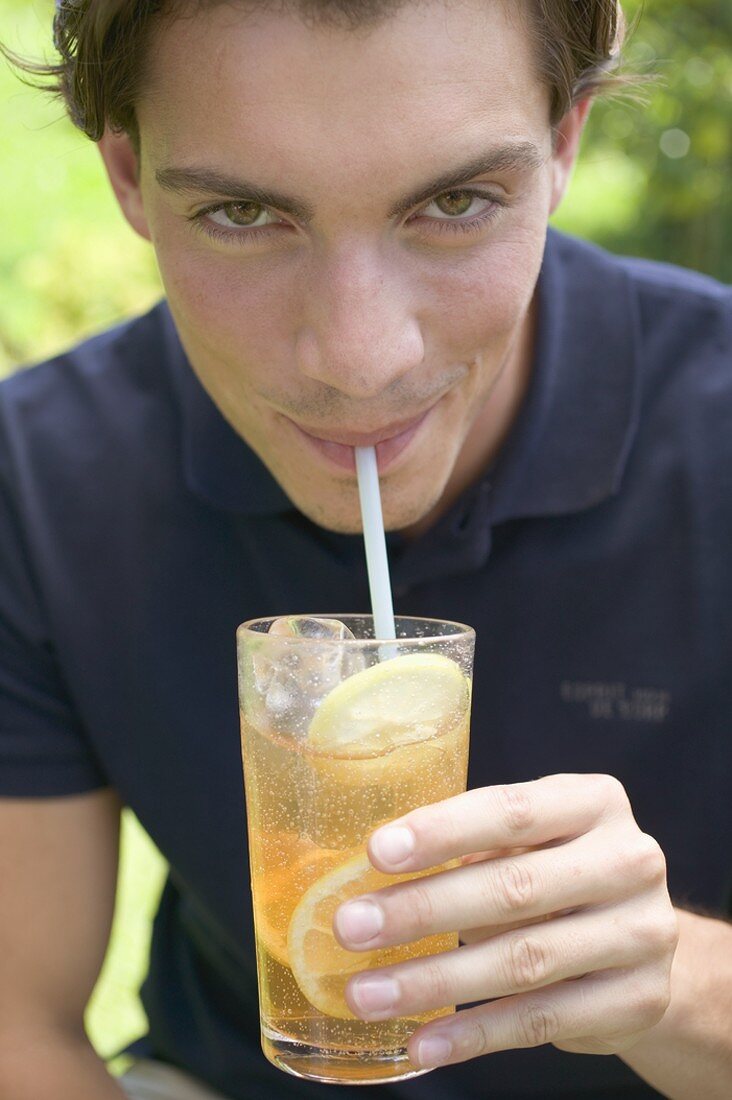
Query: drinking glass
x=341, y=732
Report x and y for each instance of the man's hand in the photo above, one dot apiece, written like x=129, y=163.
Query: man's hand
x=561, y=902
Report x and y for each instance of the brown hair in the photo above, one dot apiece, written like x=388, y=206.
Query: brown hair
x=102, y=46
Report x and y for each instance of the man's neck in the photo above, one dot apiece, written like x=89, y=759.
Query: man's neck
x=491, y=427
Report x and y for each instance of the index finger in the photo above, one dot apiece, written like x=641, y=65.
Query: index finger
x=515, y=815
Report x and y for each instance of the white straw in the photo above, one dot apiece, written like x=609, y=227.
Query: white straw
x=375, y=540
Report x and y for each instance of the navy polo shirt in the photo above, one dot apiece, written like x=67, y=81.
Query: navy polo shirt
x=137, y=530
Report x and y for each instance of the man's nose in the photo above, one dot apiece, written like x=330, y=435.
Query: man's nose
x=359, y=332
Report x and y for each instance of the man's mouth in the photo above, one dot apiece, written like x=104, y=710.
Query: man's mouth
x=337, y=445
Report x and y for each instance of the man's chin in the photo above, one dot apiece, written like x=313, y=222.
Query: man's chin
x=344, y=517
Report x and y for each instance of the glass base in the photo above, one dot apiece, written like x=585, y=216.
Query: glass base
x=337, y=1067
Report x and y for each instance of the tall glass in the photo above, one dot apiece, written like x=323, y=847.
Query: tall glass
x=340, y=734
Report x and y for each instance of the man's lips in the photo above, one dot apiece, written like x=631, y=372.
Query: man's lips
x=389, y=441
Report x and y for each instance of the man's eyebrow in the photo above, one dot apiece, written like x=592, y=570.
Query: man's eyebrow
x=186, y=181
x=503, y=158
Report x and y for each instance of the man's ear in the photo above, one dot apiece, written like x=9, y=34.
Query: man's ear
x=123, y=168
x=567, y=136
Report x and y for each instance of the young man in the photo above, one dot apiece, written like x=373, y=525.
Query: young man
x=349, y=206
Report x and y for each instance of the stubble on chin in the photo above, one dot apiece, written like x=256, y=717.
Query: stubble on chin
x=334, y=504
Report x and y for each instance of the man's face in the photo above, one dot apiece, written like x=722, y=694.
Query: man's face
x=349, y=226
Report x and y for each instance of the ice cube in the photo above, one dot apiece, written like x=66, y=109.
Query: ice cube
x=292, y=680
x=303, y=626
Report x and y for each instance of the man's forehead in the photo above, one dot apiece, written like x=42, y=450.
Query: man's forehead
x=440, y=44
x=274, y=83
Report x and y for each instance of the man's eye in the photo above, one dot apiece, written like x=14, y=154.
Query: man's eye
x=241, y=215
x=457, y=204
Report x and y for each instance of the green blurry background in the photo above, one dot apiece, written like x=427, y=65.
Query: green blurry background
x=654, y=180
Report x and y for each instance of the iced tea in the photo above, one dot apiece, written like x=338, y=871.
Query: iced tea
x=312, y=802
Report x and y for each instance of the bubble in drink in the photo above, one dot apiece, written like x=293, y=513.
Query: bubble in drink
x=292, y=680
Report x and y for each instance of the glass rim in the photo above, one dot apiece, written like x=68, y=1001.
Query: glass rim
x=462, y=632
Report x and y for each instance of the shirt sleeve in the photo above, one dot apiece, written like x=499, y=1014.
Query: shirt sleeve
x=44, y=751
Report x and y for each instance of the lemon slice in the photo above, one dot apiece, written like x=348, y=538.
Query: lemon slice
x=320, y=966
x=405, y=699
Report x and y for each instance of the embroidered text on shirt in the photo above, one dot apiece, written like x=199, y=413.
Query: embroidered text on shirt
x=617, y=700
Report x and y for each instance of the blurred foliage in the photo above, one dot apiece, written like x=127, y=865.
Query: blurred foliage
x=654, y=177
x=114, y=1016
x=653, y=180
x=69, y=264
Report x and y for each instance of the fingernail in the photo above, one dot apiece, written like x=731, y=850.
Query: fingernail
x=374, y=994
x=433, y=1051
x=394, y=844
x=359, y=921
